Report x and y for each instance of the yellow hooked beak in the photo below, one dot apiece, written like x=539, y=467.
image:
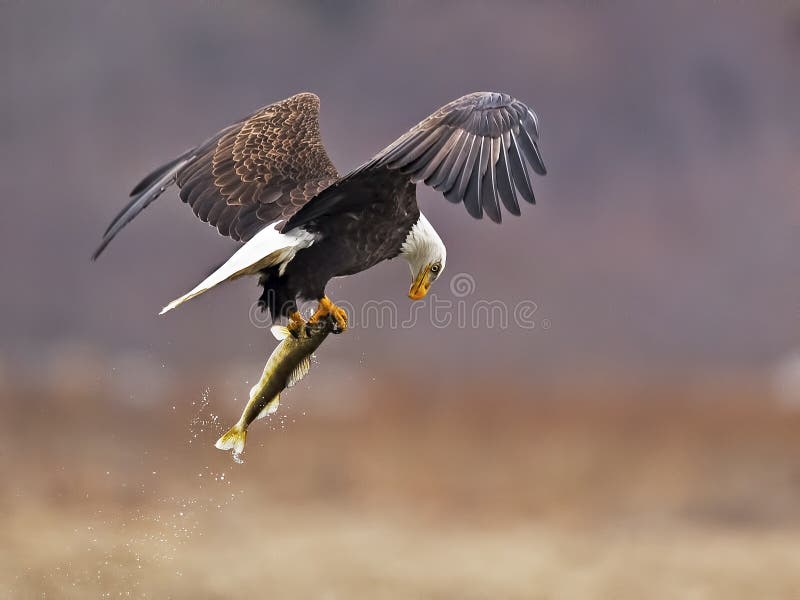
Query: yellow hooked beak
x=421, y=284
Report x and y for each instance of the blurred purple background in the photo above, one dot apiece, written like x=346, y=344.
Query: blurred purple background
x=665, y=238
x=640, y=441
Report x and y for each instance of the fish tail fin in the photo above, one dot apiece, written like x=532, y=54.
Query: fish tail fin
x=233, y=439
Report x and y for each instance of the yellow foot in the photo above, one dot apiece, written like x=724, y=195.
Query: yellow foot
x=328, y=309
x=296, y=324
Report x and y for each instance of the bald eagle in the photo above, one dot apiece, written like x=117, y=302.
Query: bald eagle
x=267, y=181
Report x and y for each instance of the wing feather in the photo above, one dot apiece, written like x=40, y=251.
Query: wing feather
x=418, y=145
x=531, y=151
x=428, y=161
x=203, y=203
x=445, y=163
x=472, y=194
x=227, y=220
x=489, y=188
x=256, y=170
x=458, y=163
x=505, y=187
x=520, y=174
x=475, y=150
x=469, y=165
x=216, y=211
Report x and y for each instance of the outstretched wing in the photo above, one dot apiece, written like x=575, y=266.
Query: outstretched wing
x=254, y=172
x=474, y=150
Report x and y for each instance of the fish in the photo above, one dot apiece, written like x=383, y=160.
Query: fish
x=288, y=364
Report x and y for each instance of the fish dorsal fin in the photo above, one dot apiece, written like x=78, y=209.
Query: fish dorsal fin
x=279, y=332
x=270, y=408
x=299, y=372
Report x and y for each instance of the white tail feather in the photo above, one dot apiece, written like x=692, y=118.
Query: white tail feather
x=267, y=248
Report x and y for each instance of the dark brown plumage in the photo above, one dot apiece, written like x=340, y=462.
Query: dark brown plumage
x=272, y=169
x=257, y=171
x=472, y=149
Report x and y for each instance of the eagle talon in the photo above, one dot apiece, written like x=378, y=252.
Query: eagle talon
x=339, y=318
x=328, y=310
x=311, y=328
x=296, y=324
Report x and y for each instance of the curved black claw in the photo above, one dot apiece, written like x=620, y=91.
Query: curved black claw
x=340, y=319
x=313, y=327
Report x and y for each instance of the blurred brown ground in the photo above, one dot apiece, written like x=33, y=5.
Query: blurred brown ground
x=644, y=445
x=609, y=489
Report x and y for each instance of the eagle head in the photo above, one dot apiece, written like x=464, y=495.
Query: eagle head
x=426, y=255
